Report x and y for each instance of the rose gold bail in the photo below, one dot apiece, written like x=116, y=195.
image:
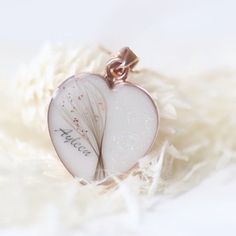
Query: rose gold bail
x=128, y=58
x=117, y=68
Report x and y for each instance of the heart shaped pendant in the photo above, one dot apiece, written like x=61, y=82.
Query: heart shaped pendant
x=101, y=126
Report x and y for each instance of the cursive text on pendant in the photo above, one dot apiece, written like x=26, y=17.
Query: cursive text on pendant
x=74, y=141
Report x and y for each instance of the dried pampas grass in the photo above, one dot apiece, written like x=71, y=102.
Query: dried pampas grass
x=196, y=138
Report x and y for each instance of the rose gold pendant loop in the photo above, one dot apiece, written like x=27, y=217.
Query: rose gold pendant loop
x=118, y=68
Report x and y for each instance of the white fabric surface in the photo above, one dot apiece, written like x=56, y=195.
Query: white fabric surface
x=193, y=44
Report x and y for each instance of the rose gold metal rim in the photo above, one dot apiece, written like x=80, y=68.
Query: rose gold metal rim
x=116, y=74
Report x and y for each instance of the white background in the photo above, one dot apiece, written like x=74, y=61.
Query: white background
x=177, y=37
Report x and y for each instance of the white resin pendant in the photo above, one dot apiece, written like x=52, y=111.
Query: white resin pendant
x=100, y=130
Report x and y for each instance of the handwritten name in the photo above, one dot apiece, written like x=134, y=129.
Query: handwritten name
x=74, y=141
